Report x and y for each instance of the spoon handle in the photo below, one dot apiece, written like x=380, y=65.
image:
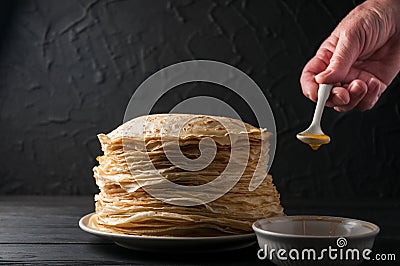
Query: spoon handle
x=323, y=94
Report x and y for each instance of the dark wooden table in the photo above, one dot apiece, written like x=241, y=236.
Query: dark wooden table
x=44, y=230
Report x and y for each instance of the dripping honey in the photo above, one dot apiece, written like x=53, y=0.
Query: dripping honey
x=314, y=141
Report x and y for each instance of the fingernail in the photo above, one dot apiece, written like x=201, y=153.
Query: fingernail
x=320, y=75
x=358, y=92
x=358, y=89
x=339, y=99
x=324, y=73
x=342, y=101
x=373, y=83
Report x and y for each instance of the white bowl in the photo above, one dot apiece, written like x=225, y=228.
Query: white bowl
x=293, y=240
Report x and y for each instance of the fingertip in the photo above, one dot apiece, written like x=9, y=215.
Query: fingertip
x=357, y=89
x=306, y=92
x=373, y=84
x=307, y=84
x=313, y=96
x=340, y=96
x=330, y=76
x=339, y=109
x=329, y=103
x=323, y=77
x=371, y=97
x=310, y=90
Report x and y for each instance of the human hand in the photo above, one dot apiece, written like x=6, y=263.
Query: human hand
x=361, y=57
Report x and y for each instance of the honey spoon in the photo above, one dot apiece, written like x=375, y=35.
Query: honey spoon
x=313, y=135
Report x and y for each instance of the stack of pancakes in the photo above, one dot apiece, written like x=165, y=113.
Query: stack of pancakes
x=139, y=162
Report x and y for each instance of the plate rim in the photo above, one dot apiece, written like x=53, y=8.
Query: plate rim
x=96, y=232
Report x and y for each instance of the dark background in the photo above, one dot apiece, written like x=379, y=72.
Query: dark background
x=69, y=68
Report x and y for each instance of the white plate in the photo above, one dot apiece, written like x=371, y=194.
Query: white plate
x=167, y=244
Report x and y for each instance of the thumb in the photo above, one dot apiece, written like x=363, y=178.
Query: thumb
x=345, y=54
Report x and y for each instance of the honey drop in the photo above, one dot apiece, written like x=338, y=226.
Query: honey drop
x=315, y=146
x=313, y=140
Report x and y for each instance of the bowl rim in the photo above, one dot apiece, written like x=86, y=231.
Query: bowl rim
x=258, y=230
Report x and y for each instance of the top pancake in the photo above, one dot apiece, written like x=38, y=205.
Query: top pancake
x=182, y=126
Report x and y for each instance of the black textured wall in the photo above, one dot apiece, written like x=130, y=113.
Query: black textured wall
x=68, y=69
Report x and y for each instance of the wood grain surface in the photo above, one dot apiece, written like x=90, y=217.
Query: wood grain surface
x=44, y=230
